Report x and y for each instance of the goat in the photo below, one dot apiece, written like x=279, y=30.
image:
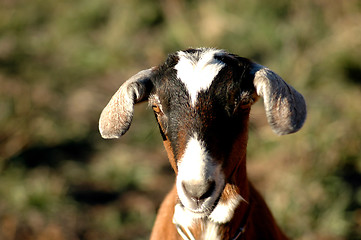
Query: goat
x=201, y=99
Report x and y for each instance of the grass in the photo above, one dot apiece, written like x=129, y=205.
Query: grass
x=60, y=62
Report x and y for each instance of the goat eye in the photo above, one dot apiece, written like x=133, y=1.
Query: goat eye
x=244, y=105
x=156, y=109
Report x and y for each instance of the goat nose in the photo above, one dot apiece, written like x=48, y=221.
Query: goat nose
x=198, y=191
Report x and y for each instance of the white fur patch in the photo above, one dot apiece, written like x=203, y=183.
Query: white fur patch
x=186, y=219
x=183, y=217
x=196, y=167
x=211, y=231
x=223, y=212
x=198, y=75
x=193, y=166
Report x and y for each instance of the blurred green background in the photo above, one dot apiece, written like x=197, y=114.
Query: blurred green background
x=61, y=61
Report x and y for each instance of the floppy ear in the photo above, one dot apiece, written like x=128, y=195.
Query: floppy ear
x=117, y=116
x=285, y=107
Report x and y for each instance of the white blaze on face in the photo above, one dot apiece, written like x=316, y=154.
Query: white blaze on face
x=196, y=166
x=193, y=165
x=198, y=75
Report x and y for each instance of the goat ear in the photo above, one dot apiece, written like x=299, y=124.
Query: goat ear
x=285, y=107
x=117, y=116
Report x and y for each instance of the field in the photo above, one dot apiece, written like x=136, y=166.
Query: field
x=61, y=61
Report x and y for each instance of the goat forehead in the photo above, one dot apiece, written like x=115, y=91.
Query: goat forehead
x=198, y=91
x=197, y=70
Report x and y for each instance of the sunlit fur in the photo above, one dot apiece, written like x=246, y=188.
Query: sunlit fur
x=202, y=99
x=197, y=166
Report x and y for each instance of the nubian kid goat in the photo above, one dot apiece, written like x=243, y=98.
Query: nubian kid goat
x=202, y=99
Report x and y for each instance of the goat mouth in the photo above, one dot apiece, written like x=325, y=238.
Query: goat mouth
x=199, y=212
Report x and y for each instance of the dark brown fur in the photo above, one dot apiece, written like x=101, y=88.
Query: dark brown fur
x=220, y=121
x=252, y=213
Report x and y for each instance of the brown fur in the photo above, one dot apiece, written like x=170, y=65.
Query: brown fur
x=259, y=224
x=285, y=111
x=252, y=213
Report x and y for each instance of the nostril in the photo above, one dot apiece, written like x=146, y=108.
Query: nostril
x=211, y=186
x=198, y=191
